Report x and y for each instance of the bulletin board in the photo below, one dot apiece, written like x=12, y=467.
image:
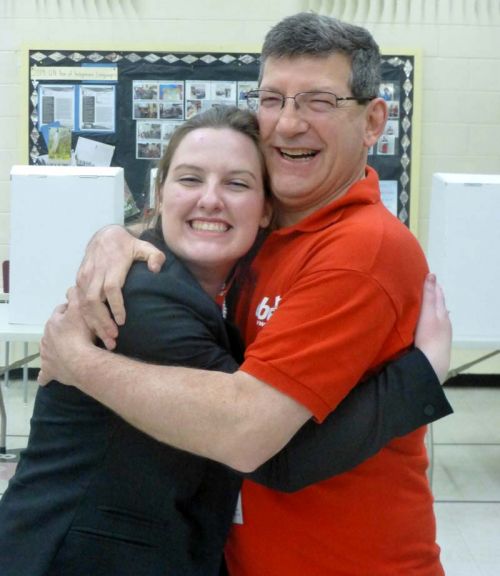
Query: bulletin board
x=119, y=108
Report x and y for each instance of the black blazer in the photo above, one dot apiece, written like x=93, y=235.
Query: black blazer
x=91, y=494
x=94, y=496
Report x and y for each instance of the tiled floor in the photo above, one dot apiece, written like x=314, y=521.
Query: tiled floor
x=466, y=482
x=466, y=476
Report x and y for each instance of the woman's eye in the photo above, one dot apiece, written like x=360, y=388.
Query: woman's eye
x=239, y=184
x=189, y=180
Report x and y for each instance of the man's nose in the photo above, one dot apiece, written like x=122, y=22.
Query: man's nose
x=291, y=120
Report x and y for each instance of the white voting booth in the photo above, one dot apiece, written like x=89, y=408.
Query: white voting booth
x=54, y=212
x=464, y=252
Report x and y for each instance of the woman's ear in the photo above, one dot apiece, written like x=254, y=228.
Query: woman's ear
x=376, y=117
x=267, y=213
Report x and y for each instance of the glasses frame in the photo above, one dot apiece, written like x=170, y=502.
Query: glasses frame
x=257, y=92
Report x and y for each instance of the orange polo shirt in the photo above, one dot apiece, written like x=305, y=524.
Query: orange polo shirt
x=336, y=296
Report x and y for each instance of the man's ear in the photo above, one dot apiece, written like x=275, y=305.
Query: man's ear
x=376, y=117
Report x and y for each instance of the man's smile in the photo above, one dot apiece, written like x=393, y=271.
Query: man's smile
x=297, y=153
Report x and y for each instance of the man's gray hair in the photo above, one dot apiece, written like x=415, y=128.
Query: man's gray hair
x=310, y=34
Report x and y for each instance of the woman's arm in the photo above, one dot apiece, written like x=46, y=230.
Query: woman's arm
x=404, y=396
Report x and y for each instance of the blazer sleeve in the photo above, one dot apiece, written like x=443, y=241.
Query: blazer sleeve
x=171, y=321
x=404, y=396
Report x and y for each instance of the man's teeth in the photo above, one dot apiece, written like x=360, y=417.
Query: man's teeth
x=205, y=226
x=297, y=153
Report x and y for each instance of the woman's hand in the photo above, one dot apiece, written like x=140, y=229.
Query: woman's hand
x=101, y=276
x=433, y=333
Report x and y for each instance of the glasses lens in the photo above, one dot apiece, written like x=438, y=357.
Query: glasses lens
x=265, y=99
x=271, y=100
x=317, y=101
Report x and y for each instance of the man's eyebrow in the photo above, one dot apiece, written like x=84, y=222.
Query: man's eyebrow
x=323, y=88
x=270, y=88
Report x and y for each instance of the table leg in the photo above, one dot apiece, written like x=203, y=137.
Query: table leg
x=3, y=423
x=25, y=374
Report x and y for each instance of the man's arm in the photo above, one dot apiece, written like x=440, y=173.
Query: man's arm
x=232, y=418
x=171, y=321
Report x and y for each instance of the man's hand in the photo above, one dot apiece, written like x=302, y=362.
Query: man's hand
x=64, y=335
x=433, y=333
x=101, y=276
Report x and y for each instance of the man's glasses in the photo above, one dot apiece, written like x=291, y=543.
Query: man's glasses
x=313, y=102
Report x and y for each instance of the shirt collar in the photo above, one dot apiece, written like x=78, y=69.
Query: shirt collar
x=365, y=191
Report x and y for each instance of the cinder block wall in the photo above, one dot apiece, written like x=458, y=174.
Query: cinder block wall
x=459, y=41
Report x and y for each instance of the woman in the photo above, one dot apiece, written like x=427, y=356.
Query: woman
x=91, y=494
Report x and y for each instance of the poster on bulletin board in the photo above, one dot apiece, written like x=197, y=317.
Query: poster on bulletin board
x=120, y=108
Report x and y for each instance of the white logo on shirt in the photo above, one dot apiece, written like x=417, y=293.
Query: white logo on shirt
x=265, y=310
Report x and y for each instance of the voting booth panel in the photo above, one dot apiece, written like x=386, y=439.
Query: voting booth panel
x=464, y=252
x=54, y=212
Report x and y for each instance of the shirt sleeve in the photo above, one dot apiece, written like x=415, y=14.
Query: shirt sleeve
x=404, y=396
x=328, y=332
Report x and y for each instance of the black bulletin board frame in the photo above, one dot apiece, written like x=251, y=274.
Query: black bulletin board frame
x=391, y=157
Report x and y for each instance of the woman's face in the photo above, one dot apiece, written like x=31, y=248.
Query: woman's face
x=213, y=200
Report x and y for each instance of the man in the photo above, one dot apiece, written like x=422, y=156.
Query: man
x=337, y=294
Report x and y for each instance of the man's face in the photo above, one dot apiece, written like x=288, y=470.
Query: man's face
x=313, y=157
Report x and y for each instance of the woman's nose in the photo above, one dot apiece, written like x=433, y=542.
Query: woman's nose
x=211, y=197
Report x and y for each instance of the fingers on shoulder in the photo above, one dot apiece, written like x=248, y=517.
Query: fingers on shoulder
x=146, y=252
